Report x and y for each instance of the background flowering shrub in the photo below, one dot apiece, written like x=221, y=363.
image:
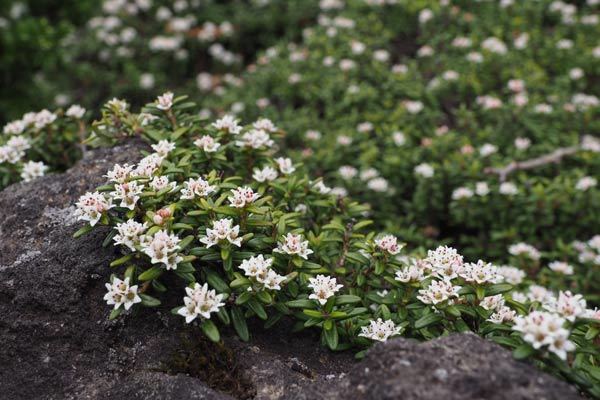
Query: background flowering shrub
x=40, y=141
x=134, y=48
x=246, y=234
x=475, y=126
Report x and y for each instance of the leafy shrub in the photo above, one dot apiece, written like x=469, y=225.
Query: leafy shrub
x=135, y=48
x=249, y=235
x=40, y=141
x=470, y=126
x=30, y=35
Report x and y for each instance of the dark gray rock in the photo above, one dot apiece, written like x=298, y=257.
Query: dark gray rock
x=456, y=367
x=58, y=344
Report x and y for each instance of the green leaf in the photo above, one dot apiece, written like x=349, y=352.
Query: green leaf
x=239, y=323
x=523, y=351
x=210, y=330
x=498, y=288
x=83, y=231
x=331, y=337
x=151, y=273
x=216, y=282
x=121, y=261
x=257, y=308
x=149, y=301
x=115, y=313
x=427, y=320
x=302, y=303
x=346, y=299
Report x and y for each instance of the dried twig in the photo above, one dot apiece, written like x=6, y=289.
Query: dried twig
x=551, y=158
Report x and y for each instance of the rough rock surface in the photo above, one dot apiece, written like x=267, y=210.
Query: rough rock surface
x=58, y=344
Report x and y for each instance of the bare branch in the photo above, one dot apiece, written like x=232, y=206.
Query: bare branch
x=551, y=158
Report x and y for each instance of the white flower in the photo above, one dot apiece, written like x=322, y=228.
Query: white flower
x=255, y=139
x=524, y=249
x=398, y=138
x=516, y=85
x=444, y=262
x=323, y=287
x=462, y=42
x=540, y=294
x=207, y=143
x=512, y=275
x=389, y=244
x=543, y=108
x=264, y=175
x=228, y=124
x=567, y=305
x=545, y=329
x=344, y=140
x=264, y=124
x=272, y=280
x=194, y=188
x=521, y=41
x=482, y=189
x=347, y=172
x=294, y=245
x=475, y=57
x=19, y=144
x=438, y=292
x=413, y=273
x=91, y=206
x=312, y=135
x=242, y=197
x=488, y=102
x=378, y=185
x=576, y=73
x=163, y=147
x=285, y=165
x=424, y=170
x=159, y=183
x=259, y=269
x=564, y=44
x=129, y=233
x=425, y=51
x=492, y=303
x=200, y=302
x=586, y=183
x=480, y=272
x=162, y=249
x=494, y=45
x=508, y=189
x=381, y=55
x=502, y=315
x=128, y=193
x=32, y=170
x=119, y=174
x=487, y=149
x=120, y=293
x=147, y=81
x=425, y=16
x=413, y=107
x=322, y=188
x=380, y=330
x=43, y=119
x=462, y=193
x=75, y=111
x=222, y=231
x=561, y=267
x=399, y=69
x=14, y=128
x=364, y=127
x=148, y=165
x=522, y=143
